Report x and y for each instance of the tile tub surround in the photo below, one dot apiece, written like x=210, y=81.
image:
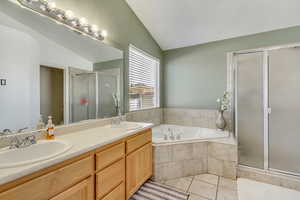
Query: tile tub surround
x=273, y=178
x=222, y=159
x=188, y=159
x=194, y=117
x=205, y=187
x=154, y=116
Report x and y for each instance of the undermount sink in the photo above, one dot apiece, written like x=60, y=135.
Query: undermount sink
x=42, y=150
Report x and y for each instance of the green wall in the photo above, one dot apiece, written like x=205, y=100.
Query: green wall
x=194, y=77
x=121, y=23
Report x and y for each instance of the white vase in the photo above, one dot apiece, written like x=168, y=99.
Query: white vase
x=220, y=122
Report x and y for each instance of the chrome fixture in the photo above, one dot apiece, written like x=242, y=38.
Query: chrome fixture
x=67, y=18
x=22, y=129
x=6, y=132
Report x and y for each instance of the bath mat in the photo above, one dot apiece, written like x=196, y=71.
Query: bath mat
x=155, y=191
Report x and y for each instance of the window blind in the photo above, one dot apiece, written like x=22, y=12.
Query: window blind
x=143, y=80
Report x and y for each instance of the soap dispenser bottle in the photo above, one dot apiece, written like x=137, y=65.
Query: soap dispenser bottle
x=50, y=129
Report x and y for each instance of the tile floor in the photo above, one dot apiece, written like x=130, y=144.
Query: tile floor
x=206, y=187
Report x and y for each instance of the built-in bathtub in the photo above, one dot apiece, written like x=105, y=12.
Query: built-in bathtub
x=167, y=133
x=181, y=151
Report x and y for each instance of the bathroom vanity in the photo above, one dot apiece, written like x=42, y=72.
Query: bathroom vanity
x=111, y=171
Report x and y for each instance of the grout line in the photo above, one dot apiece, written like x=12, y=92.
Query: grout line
x=207, y=182
x=217, y=187
x=190, y=184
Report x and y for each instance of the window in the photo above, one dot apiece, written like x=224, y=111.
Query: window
x=143, y=80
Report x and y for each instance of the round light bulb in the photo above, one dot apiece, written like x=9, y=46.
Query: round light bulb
x=86, y=29
x=69, y=14
x=82, y=21
x=51, y=5
x=74, y=23
x=94, y=28
x=43, y=7
x=104, y=33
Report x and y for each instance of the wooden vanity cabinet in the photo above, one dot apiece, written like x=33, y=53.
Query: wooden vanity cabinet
x=80, y=191
x=138, y=162
x=112, y=172
x=139, y=168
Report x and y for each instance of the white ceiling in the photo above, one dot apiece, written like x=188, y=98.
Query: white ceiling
x=180, y=23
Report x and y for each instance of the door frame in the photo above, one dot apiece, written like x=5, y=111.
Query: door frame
x=232, y=88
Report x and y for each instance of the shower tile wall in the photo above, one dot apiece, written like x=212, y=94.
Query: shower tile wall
x=194, y=117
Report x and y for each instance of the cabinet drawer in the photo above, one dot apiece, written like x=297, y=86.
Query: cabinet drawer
x=109, y=178
x=138, y=141
x=80, y=191
x=53, y=183
x=108, y=156
x=117, y=194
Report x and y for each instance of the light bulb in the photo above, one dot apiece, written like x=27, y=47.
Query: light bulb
x=51, y=5
x=74, y=23
x=69, y=14
x=86, y=29
x=94, y=28
x=43, y=7
x=82, y=21
x=104, y=33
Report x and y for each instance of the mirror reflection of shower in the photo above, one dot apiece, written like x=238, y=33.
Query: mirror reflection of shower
x=94, y=95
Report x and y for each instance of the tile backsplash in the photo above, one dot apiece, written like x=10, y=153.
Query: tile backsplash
x=154, y=116
x=205, y=118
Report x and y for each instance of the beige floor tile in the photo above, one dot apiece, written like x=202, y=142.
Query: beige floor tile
x=209, y=178
x=196, y=197
x=203, y=189
x=226, y=194
x=228, y=183
x=180, y=183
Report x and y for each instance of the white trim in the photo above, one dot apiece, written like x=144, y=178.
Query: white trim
x=268, y=48
x=232, y=78
x=265, y=106
x=143, y=52
x=158, y=76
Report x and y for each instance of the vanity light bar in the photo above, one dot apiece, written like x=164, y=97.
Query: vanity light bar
x=67, y=18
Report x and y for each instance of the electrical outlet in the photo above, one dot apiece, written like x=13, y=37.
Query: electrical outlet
x=2, y=82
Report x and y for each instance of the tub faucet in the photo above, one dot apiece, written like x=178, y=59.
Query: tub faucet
x=171, y=132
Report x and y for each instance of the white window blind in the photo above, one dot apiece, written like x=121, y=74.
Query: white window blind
x=143, y=80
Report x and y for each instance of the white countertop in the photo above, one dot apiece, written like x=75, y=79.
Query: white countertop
x=82, y=141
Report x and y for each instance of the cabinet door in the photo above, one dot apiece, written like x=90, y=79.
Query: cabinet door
x=81, y=191
x=138, y=168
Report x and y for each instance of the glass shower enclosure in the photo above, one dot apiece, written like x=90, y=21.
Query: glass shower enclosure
x=84, y=97
x=267, y=109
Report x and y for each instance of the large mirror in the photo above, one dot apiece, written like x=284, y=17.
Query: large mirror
x=46, y=69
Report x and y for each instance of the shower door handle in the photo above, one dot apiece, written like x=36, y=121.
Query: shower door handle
x=269, y=110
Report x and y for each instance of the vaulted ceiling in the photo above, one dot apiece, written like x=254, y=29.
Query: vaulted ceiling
x=180, y=23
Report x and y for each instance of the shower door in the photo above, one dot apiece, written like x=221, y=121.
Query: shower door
x=249, y=101
x=108, y=85
x=84, y=98
x=284, y=119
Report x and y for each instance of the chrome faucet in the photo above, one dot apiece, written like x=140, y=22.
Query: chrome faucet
x=6, y=132
x=22, y=129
